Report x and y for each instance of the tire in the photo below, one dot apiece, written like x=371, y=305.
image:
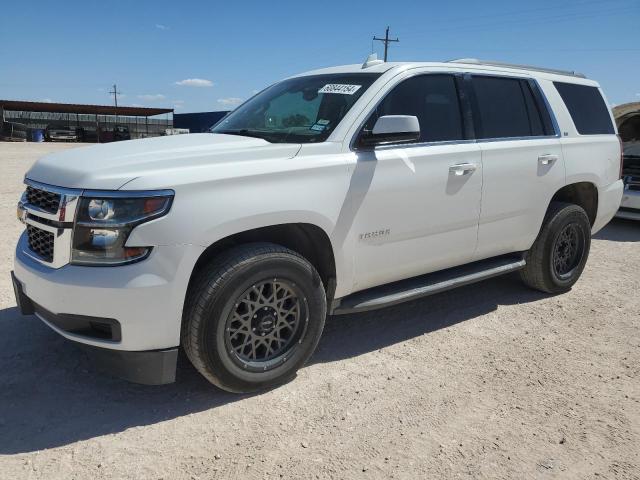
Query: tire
x=558, y=256
x=253, y=316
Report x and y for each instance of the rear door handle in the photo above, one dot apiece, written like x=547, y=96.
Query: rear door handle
x=547, y=159
x=462, y=169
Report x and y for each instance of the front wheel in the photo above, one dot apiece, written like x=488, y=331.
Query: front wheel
x=558, y=256
x=253, y=317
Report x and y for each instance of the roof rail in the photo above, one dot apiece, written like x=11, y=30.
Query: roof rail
x=475, y=61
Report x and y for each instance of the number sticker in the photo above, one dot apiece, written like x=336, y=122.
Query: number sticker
x=340, y=88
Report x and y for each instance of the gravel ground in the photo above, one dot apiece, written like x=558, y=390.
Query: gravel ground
x=487, y=381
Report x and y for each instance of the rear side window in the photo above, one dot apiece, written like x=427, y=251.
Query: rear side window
x=507, y=108
x=433, y=99
x=587, y=108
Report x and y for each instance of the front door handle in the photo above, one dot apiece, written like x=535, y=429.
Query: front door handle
x=547, y=159
x=462, y=169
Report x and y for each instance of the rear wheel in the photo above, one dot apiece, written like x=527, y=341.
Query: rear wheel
x=253, y=317
x=558, y=256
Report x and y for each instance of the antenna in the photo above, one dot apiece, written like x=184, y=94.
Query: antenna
x=371, y=61
x=386, y=40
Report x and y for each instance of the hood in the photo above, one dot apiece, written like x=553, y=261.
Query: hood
x=110, y=166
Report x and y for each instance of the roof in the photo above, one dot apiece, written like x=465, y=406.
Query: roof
x=19, y=105
x=465, y=64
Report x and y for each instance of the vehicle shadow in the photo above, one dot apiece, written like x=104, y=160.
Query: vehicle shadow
x=51, y=395
x=620, y=230
x=351, y=335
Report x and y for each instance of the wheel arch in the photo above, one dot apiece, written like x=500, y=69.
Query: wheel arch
x=583, y=194
x=309, y=240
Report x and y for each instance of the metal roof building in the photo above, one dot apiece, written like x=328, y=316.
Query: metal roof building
x=91, y=120
x=197, y=122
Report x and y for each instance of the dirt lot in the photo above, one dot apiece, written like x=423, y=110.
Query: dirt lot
x=488, y=381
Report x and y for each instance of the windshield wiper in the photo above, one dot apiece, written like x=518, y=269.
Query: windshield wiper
x=244, y=132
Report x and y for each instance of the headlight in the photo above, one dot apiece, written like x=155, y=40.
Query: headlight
x=103, y=225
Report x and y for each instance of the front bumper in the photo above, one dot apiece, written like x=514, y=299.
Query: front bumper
x=156, y=367
x=630, y=205
x=130, y=315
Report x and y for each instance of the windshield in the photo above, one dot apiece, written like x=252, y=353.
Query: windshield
x=298, y=110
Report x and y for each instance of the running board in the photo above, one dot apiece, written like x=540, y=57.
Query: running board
x=424, y=285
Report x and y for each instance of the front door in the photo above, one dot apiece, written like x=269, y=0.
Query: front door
x=419, y=204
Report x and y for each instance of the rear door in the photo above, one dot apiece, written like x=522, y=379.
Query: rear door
x=521, y=158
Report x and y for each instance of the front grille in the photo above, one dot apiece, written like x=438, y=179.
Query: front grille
x=41, y=242
x=47, y=201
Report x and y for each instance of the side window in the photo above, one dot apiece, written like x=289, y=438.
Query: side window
x=433, y=98
x=505, y=108
x=587, y=108
x=535, y=122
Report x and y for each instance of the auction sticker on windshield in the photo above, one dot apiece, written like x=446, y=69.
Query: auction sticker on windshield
x=341, y=88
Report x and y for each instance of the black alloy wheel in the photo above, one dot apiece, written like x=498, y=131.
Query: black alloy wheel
x=568, y=250
x=266, y=323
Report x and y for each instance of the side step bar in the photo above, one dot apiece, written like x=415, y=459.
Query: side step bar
x=424, y=285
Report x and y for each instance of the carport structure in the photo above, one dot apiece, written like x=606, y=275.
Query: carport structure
x=91, y=119
x=628, y=121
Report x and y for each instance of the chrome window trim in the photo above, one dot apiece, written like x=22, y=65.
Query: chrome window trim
x=353, y=147
x=552, y=114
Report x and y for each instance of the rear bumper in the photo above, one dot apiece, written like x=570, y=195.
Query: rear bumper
x=608, y=203
x=155, y=367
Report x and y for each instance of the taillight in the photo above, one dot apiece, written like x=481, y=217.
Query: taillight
x=621, y=155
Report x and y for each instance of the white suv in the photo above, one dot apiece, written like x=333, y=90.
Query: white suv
x=334, y=191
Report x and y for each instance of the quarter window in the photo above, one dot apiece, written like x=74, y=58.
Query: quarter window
x=587, y=108
x=433, y=99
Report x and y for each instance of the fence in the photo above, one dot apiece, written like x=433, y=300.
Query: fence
x=90, y=125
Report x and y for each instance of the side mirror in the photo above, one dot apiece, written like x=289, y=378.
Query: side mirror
x=392, y=129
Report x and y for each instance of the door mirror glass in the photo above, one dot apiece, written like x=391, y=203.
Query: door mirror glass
x=392, y=129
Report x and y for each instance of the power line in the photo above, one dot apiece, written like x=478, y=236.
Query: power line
x=115, y=94
x=386, y=40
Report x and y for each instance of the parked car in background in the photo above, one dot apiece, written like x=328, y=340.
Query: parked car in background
x=87, y=135
x=335, y=191
x=56, y=133
x=13, y=132
x=175, y=131
x=630, y=205
x=118, y=133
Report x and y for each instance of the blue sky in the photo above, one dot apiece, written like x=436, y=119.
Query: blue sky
x=73, y=51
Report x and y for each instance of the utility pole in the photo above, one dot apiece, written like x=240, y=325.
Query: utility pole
x=115, y=93
x=386, y=40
